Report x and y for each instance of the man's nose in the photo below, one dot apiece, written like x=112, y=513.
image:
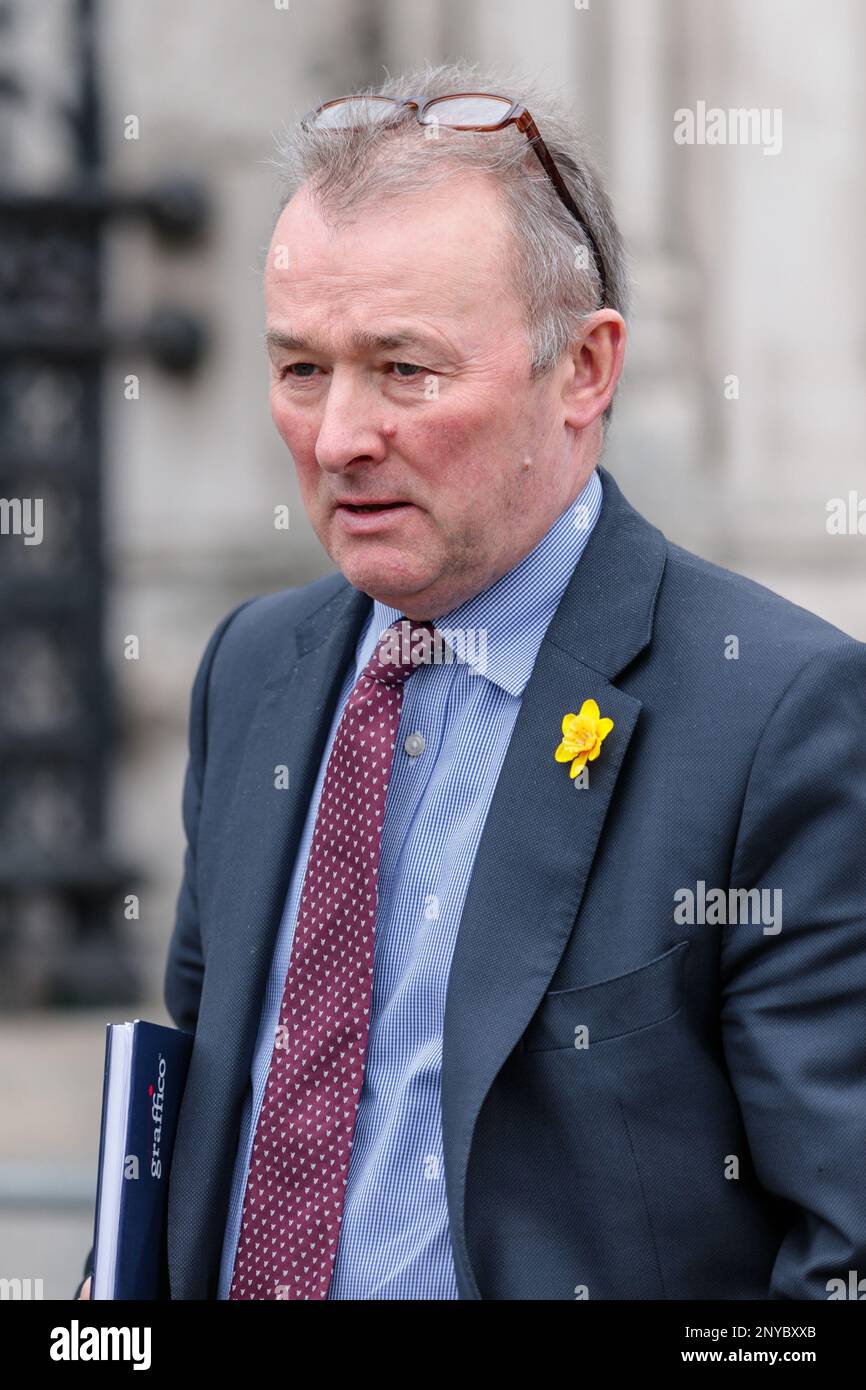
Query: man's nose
x=351, y=424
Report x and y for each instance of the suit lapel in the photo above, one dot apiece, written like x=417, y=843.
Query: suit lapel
x=541, y=833
x=263, y=831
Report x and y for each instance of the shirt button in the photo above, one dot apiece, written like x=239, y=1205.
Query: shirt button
x=414, y=744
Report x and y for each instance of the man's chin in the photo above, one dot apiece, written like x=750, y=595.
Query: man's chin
x=391, y=597
x=389, y=581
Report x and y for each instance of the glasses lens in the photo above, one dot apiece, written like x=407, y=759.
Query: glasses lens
x=467, y=110
x=357, y=111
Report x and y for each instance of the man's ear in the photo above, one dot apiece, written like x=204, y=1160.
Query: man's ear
x=594, y=363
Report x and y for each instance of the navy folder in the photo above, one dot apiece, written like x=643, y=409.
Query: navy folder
x=145, y=1074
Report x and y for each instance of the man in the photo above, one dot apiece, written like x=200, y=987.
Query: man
x=529, y=964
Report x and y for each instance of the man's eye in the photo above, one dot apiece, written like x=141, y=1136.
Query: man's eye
x=303, y=371
x=293, y=367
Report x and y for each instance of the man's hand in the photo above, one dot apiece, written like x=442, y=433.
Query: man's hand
x=85, y=1288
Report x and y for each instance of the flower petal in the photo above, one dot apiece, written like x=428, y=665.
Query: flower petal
x=604, y=727
x=577, y=765
x=564, y=753
x=589, y=708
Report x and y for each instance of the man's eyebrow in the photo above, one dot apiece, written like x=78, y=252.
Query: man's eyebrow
x=363, y=341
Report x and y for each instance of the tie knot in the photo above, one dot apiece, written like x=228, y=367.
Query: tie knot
x=401, y=649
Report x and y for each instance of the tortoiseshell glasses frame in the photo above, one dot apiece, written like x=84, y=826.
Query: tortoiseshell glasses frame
x=503, y=112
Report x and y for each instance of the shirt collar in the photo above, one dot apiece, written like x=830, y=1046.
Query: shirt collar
x=500, y=630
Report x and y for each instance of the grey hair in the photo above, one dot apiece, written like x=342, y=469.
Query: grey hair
x=550, y=256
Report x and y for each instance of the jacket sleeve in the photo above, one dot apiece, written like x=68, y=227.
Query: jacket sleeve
x=183, y=974
x=794, y=992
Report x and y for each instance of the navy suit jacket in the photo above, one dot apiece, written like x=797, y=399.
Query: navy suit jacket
x=709, y=1140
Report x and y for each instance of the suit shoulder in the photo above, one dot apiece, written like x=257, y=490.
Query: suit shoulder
x=263, y=626
x=721, y=597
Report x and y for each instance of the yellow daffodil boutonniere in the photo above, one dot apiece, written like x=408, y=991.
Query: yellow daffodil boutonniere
x=582, y=736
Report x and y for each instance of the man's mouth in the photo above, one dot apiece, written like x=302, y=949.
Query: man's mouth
x=371, y=506
x=362, y=518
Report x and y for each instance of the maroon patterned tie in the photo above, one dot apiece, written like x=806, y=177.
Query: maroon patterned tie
x=300, y=1158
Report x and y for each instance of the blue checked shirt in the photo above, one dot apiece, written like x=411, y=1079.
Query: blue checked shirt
x=394, y=1239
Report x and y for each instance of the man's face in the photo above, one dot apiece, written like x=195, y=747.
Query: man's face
x=446, y=420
